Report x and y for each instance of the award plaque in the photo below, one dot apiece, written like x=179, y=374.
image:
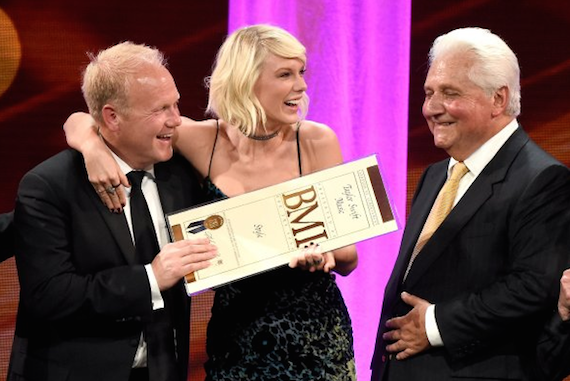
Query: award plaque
x=263, y=229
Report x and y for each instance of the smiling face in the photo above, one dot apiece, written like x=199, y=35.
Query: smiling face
x=279, y=89
x=460, y=115
x=143, y=134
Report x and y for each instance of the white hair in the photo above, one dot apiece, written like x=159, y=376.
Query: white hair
x=495, y=64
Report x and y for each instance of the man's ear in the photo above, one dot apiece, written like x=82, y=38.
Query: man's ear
x=111, y=118
x=500, y=101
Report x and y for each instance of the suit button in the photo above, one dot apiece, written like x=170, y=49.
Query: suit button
x=383, y=358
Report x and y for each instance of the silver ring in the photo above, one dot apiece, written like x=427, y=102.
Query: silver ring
x=318, y=261
x=110, y=189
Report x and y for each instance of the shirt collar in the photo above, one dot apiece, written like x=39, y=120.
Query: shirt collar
x=125, y=168
x=484, y=154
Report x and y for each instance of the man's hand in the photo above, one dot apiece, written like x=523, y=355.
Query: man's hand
x=408, y=332
x=564, y=298
x=178, y=259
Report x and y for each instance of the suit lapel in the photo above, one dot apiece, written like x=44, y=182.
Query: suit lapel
x=117, y=224
x=172, y=198
x=433, y=181
x=475, y=197
x=168, y=187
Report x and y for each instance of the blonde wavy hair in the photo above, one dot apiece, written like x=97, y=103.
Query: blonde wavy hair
x=106, y=80
x=237, y=68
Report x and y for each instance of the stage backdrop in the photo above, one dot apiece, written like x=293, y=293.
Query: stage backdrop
x=350, y=46
x=357, y=76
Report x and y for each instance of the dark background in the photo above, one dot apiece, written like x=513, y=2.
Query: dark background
x=55, y=34
x=54, y=37
x=536, y=31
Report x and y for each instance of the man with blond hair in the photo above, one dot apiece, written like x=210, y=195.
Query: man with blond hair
x=101, y=299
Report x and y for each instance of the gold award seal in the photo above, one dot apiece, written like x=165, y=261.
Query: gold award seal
x=213, y=222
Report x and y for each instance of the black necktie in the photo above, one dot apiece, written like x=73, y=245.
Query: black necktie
x=158, y=333
x=146, y=244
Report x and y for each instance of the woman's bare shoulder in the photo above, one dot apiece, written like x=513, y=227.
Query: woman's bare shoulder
x=317, y=136
x=195, y=140
x=319, y=145
x=310, y=129
x=195, y=128
x=194, y=134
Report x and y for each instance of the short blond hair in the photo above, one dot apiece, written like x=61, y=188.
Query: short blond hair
x=107, y=77
x=237, y=68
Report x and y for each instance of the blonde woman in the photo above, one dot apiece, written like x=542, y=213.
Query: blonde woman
x=289, y=323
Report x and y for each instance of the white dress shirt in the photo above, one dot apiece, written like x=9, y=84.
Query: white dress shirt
x=150, y=192
x=476, y=163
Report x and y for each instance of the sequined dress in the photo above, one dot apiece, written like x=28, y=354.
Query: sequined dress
x=285, y=324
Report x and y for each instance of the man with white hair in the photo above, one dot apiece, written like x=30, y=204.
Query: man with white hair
x=487, y=234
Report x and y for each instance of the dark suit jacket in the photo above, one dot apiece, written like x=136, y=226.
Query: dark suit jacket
x=6, y=236
x=84, y=300
x=553, y=350
x=491, y=269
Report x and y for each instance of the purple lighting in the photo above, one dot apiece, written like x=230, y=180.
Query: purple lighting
x=358, y=77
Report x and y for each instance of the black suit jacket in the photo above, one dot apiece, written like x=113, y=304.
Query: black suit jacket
x=553, y=350
x=491, y=269
x=6, y=236
x=84, y=300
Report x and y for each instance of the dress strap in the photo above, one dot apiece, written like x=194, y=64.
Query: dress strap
x=214, y=147
x=299, y=149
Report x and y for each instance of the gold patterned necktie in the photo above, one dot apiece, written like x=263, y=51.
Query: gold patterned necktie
x=440, y=209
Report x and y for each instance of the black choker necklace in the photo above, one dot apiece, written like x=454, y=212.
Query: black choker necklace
x=264, y=137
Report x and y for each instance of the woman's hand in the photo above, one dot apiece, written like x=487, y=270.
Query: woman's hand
x=312, y=259
x=104, y=173
x=106, y=176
